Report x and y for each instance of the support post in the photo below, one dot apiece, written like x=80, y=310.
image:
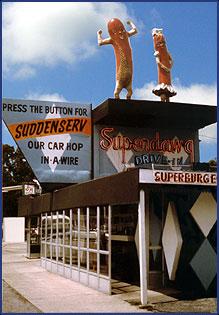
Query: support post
x=28, y=236
x=142, y=249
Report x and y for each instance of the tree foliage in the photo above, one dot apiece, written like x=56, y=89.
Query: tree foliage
x=15, y=171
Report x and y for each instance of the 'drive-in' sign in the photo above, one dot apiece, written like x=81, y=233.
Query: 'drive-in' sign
x=55, y=138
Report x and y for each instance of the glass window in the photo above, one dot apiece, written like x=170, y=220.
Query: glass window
x=60, y=253
x=83, y=227
x=74, y=257
x=74, y=227
x=53, y=225
x=93, y=262
x=104, y=230
x=48, y=251
x=43, y=227
x=67, y=255
x=53, y=254
x=124, y=219
x=48, y=238
x=104, y=265
x=83, y=259
x=43, y=250
x=93, y=228
x=60, y=227
x=67, y=227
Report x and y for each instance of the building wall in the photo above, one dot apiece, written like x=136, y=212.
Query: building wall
x=13, y=230
x=183, y=226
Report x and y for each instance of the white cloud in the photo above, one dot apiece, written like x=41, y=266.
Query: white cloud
x=46, y=33
x=209, y=134
x=55, y=97
x=193, y=94
x=24, y=72
x=156, y=18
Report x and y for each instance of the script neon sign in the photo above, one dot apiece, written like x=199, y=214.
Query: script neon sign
x=144, y=144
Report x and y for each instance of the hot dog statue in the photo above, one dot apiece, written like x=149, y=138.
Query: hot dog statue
x=119, y=38
x=164, y=62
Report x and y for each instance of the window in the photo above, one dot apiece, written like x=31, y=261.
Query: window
x=78, y=239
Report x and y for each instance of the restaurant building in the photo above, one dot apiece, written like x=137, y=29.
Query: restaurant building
x=147, y=216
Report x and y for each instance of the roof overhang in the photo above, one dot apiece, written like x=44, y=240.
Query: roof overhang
x=154, y=114
x=121, y=188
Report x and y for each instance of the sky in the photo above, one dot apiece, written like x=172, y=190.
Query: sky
x=50, y=52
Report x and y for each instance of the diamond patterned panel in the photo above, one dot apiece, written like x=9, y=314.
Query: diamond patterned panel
x=137, y=238
x=204, y=211
x=56, y=138
x=172, y=241
x=204, y=264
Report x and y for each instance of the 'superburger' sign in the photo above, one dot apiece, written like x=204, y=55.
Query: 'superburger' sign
x=178, y=178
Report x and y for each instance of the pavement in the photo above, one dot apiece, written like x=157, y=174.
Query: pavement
x=28, y=288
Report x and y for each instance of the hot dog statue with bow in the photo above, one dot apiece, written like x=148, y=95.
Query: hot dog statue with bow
x=119, y=38
x=164, y=62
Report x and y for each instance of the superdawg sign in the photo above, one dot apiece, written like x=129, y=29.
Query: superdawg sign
x=144, y=144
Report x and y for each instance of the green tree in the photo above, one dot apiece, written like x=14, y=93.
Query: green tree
x=15, y=171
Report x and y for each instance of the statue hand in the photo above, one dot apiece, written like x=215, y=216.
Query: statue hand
x=99, y=32
x=129, y=22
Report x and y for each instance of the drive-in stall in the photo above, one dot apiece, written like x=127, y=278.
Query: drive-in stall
x=149, y=214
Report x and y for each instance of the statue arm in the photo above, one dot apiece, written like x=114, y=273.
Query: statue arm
x=156, y=54
x=134, y=30
x=102, y=41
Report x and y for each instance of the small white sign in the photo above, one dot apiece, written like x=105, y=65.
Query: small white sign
x=29, y=189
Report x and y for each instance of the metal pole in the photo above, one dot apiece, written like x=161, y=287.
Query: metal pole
x=142, y=249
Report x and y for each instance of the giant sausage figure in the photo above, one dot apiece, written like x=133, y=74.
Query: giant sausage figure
x=164, y=62
x=119, y=38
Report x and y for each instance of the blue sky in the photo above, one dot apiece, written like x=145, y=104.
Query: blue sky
x=50, y=52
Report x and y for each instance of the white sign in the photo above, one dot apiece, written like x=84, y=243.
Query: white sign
x=55, y=138
x=179, y=178
x=29, y=189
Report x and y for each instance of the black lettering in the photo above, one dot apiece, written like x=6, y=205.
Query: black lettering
x=39, y=128
x=76, y=122
x=62, y=125
x=69, y=126
x=32, y=129
x=18, y=131
x=47, y=127
x=54, y=126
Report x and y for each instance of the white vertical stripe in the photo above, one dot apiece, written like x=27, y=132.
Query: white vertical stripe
x=142, y=249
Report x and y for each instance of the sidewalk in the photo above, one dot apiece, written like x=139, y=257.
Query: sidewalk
x=50, y=292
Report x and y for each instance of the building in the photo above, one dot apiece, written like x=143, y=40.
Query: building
x=148, y=215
